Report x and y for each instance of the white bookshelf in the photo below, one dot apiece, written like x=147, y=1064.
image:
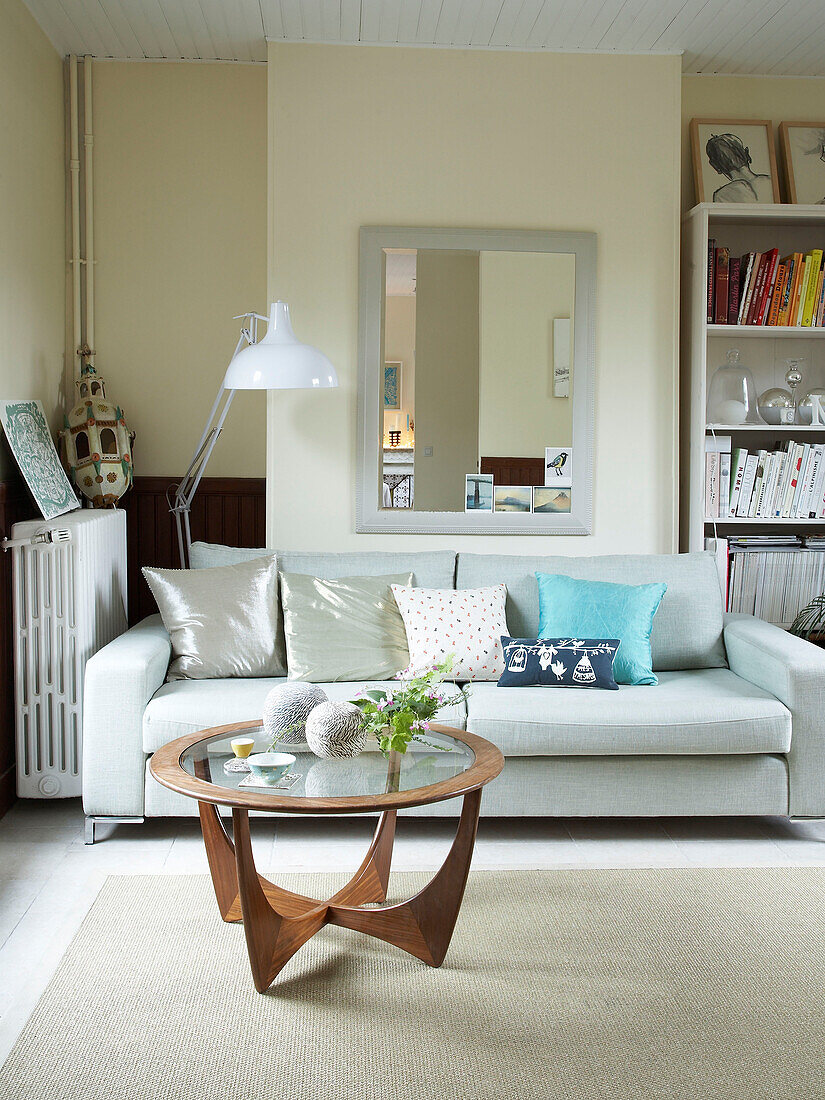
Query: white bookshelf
x=744, y=228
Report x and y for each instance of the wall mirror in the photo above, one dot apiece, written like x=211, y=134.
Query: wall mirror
x=475, y=391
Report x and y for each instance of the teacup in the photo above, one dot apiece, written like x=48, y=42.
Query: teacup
x=242, y=746
x=270, y=766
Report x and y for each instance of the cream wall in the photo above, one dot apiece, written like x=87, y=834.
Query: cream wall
x=180, y=230
x=371, y=136
x=521, y=293
x=780, y=99
x=32, y=228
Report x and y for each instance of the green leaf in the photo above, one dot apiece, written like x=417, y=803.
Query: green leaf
x=376, y=696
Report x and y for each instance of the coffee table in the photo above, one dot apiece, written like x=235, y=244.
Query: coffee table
x=278, y=922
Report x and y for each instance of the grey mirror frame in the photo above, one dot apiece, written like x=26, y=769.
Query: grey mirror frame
x=369, y=516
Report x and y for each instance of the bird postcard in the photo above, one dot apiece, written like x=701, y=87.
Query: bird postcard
x=558, y=467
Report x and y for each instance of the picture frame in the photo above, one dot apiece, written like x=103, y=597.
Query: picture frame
x=803, y=161
x=513, y=498
x=478, y=492
x=552, y=499
x=392, y=386
x=30, y=441
x=740, y=164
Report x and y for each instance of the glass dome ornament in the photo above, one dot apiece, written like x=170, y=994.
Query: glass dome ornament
x=776, y=406
x=732, y=394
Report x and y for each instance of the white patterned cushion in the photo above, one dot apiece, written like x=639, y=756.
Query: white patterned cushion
x=468, y=623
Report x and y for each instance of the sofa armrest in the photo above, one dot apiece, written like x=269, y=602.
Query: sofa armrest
x=120, y=680
x=794, y=671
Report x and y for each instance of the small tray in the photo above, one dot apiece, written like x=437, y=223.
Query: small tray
x=283, y=784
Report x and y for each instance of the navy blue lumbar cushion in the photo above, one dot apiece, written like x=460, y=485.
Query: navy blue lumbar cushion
x=558, y=662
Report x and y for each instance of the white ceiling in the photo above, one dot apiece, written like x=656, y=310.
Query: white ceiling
x=776, y=37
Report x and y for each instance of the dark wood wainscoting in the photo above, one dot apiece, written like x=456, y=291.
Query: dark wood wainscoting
x=514, y=471
x=15, y=505
x=229, y=510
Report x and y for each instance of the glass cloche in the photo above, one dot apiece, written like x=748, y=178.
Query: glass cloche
x=732, y=394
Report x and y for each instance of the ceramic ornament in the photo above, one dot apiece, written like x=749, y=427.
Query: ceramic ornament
x=97, y=445
x=336, y=730
x=286, y=709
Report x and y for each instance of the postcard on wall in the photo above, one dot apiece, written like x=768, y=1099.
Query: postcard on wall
x=513, y=498
x=803, y=148
x=549, y=499
x=30, y=440
x=392, y=387
x=558, y=466
x=478, y=492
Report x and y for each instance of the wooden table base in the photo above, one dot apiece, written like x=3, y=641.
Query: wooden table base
x=278, y=922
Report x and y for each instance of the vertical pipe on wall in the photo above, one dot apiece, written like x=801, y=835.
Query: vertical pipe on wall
x=74, y=176
x=88, y=183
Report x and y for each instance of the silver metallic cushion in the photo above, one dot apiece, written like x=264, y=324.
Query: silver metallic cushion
x=223, y=622
x=346, y=629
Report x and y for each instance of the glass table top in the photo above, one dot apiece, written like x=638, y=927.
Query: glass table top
x=367, y=775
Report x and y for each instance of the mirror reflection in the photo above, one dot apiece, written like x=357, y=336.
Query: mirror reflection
x=477, y=385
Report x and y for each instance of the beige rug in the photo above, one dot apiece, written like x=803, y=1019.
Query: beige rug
x=678, y=984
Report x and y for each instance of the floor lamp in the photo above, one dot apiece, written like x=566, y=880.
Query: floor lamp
x=278, y=362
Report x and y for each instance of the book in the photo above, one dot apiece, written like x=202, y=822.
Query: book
x=793, y=297
x=785, y=477
x=790, y=263
x=747, y=298
x=712, y=485
x=720, y=310
x=758, y=481
x=816, y=491
x=748, y=479
x=769, y=278
x=738, y=461
x=811, y=475
x=813, y=286
x=800, y=480
x=776, y=296
x=768, y=467
x=795, y=451
x=711, y=278
x=733, y=289
x=807, y=265
x=724, y=485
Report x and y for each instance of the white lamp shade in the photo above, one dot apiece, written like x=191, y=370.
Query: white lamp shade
x=279, y=361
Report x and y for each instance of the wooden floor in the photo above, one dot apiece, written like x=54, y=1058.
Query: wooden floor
x=49, y=878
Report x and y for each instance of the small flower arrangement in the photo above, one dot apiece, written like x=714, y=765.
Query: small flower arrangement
x=399, y=715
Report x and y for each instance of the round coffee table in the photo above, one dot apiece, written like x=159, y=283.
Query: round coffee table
x=278, y=922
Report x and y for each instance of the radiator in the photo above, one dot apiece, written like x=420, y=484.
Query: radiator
x=69, y=601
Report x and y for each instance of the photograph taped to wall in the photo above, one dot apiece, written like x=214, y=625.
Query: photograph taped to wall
x=803, y=154
x=734, y=160
x=550, y=499
x=478, y=492
x=558, y=466
x=513, y=498
x=31, y=443
x=392, y=387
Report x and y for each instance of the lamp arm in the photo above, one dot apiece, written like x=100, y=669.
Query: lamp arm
x=181, y=505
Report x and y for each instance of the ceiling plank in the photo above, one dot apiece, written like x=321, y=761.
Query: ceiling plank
x=96, y=31
x=350, y=20
x=151, y=27
x=427, y=21
x=389, y=20
x=717, y=54
x=272, y=19
x=408, y=21
x=370, y=20
x=476, y=22
x=130, y=45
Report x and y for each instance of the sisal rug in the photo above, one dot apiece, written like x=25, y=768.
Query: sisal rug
x=664, y=984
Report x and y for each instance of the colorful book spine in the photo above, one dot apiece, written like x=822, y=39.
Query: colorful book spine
x=720, y=312
x=711, y=278
x=755, y=288
x=813, y=285
x=748, y=480
x=793, y=299
x=734, y=270
x=738, y=463
x=803, y=290
x=744, y=284
x=776, y=295
x=767, y=286
x=790, y=263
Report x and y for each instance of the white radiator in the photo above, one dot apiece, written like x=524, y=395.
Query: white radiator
x=69, y=601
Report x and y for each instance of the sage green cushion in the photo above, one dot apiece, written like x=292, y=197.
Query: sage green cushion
x=348, y=628
x=223, y=623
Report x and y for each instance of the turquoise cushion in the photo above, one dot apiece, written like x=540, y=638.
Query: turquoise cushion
x=599, y=609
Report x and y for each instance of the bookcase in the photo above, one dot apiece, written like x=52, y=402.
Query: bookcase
x=741, y=228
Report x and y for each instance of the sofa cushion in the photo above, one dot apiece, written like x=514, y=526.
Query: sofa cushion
x=430, y=568
x=702, y=711
x=185, y=706
x=687, y=628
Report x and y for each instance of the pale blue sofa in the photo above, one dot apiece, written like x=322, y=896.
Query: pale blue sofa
x=735, y=725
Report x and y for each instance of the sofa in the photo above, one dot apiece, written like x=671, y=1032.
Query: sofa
x=734, y=726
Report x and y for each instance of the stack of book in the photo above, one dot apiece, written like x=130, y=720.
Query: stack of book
x=760, y=288
x=788, y=483
x=775, y=584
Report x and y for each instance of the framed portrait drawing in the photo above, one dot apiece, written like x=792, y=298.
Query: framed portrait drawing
x=392, y=387
x=734, y=160
x=803, y=154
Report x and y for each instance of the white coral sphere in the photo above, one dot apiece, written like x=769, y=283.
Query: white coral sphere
x=286, y=709
x=336, y=730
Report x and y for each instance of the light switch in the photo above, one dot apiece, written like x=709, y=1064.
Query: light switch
x=428, y=452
